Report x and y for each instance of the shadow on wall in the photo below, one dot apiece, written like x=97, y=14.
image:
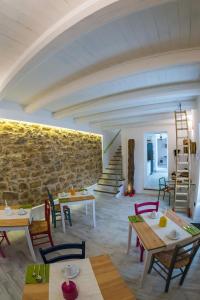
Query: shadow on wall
x=33, y=156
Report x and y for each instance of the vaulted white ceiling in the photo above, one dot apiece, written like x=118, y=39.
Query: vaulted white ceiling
x=106, y=63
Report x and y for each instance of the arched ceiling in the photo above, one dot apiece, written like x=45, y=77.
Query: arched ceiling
x=92, y=59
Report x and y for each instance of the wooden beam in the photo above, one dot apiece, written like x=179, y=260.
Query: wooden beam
x=117, y=71
x=82, y=19
x=158, y=94
x=136, y=111
x=135, y=120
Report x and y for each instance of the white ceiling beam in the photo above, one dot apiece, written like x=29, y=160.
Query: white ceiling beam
x=154, y=122
x=114, y=72
x=136, y=120
x=136, y=111
x=84, y=18
x=158, y=94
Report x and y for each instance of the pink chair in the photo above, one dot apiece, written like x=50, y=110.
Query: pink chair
x=3, y=236
x=141, y=208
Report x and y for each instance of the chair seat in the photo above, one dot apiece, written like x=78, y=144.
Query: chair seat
x=38, y=227
x=165, y=258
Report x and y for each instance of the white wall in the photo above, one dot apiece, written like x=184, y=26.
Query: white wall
x=196, y=161
x=138, y=133
x=107, y=138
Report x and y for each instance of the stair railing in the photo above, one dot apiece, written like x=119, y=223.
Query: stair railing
x=112, y=141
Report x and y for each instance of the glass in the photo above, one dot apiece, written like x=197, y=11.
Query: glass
x=69, y=290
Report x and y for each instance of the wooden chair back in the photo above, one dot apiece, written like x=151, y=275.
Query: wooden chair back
x=45, y=252
x=162, y=183
x=144, y=207
x=188, y=249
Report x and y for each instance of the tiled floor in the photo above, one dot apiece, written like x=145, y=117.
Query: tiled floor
x=110, y=236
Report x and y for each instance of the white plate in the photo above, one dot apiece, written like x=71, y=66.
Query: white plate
x=75, y=271
x=150, y=216
x=22, y=213
x=173, y=237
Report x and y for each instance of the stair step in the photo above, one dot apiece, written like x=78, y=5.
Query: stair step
x=102, y=178
x=115, y=169
x=115, y=160
x=111, y=173
x=110, y=185
x=106, y=192
x=181, y=201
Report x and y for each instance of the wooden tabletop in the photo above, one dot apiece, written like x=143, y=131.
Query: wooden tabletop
x=111, y=284
x=13, y=222
x=149, y=238
x=76, y=198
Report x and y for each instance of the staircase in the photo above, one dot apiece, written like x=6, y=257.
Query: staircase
x=182, y=181
x=111, y=179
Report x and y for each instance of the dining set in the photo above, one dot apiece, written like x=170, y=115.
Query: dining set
x=169, y=241
x=166, y=243
x=38, y=232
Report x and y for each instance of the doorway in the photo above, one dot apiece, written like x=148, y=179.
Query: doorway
x=156, y=159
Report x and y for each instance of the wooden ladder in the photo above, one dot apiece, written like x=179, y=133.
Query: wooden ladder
x=182, y=182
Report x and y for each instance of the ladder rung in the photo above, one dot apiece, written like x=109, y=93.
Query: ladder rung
x=182, y=178
x=183, y=154
x=184, y=128
x=180, y=112
x=185, y=171
x=182, y=162
x=181, y=194
x=181, y=120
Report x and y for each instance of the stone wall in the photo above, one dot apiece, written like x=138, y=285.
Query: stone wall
x=33, y=156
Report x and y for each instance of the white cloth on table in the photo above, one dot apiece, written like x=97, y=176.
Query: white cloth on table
x=163, y=232
x=86, y=282
x=15, y=215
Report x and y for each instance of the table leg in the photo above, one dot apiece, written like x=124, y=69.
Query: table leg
x=62, y=218
x=30, y=245
x=94, y=213
x=146, y=266
x=86, y=209
x=129, y=237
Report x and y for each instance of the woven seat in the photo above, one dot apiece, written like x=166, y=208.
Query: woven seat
x=40, y=230
x=37, y=227
x=178, y=259
x=165, y=258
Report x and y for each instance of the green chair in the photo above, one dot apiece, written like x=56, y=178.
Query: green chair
x=56, y=210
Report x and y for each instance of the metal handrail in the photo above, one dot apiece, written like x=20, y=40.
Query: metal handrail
x=112, y=141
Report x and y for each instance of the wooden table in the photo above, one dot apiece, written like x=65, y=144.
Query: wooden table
x=78, y=198
x=111, y=284
x=151, y=241
x=11, y=223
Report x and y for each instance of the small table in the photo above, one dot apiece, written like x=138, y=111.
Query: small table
x=17, y=222
x=111, y=285
x=78, y=198
x=151, y=241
